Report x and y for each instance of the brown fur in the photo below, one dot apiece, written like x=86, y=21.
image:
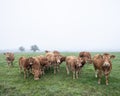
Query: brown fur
x=44, y=63
x=22, y=61
x=102, y=64
x=86, y=57
x=54, y=59
x=9, y=58
x=74, y=64
x=32, y=63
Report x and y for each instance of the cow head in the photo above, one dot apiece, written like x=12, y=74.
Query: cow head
x=36, y=73
x=58, y=58
x=107, y=62
x=31, y=60
x=107, y=59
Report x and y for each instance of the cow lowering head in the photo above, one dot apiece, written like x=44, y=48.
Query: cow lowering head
x=36, y=73
x=31, y=60
x=58, y=58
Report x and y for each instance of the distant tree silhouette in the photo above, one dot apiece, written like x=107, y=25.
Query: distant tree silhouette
x=34, y=48
x=21, y=48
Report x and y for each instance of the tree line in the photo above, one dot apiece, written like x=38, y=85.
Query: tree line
x=33, y=48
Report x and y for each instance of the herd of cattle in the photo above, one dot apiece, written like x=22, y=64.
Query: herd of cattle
x=37, y=65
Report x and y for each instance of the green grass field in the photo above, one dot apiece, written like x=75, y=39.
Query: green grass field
x=12, y=82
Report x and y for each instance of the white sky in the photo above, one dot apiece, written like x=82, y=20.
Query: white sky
x=60, y=24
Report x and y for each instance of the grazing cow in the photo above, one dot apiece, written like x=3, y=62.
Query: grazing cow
x=9, y=58
x=86, y=57
x=32, y=63
x=74, y=64
x=43, y=62
x=102, y=64
x=54, y=59
x=36, y=68
x=22, y=61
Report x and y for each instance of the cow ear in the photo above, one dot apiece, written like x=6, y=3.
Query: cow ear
x=112, y=56
x=4, y=53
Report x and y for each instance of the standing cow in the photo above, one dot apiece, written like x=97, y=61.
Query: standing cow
x=9, y=58
x=102, y=64
x=30, y=65
x=54, y=59
x=73, y=64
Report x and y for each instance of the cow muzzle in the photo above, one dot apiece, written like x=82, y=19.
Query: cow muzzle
x=58, y=61
x=106, y=64
x=36, y=78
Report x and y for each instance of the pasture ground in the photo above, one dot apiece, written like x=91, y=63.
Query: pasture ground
x=12, y=82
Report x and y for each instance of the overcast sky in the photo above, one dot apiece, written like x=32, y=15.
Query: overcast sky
x=60, y=24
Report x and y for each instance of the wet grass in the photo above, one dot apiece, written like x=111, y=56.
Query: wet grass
x=12, y=82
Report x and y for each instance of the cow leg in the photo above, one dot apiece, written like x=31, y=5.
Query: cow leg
x=74, y=74
x=58, y=67
x=42, y=70
x=12, y=64
x=24, y=73
x=106, y=79
x=96, y=73
x=8, y=63
x=67, y=69
x=77, y=72
x=100, y=76
x=55, y=67
x=20, y=68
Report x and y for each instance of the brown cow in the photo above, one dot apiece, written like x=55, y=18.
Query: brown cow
x=36, y=68
x=54, y=59
x=9, y=58
x=74, y=64
x=102, y=64
x=22, y=61
x=86, y=57
x=43, y=62
x=32, y=63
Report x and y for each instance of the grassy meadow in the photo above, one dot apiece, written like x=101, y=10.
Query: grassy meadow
x=12, y=82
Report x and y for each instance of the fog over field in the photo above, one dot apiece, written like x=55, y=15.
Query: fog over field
x=65, y=25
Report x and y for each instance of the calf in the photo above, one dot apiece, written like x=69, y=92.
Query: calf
x=36, y=68
x=54, y=59
x=9, y=58
x=32, y=64
x=74, y=64
x=102, y=64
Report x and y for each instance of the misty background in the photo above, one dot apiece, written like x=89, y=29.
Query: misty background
x=64, y=25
